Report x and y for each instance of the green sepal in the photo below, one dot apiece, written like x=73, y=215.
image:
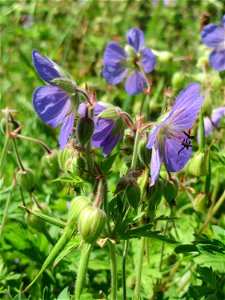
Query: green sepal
x=66, y=84
x=109, y=113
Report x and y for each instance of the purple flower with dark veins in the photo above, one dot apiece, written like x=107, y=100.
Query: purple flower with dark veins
x=131, y=62
x=214, y=36
x=169, y=142
x=106, y=134
x=52, y=104
x=211, y=123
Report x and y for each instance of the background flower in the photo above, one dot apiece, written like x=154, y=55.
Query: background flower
x=52, y=104
x=132, y=62
x=168, y=141
x=212, y=123
x=214, y=36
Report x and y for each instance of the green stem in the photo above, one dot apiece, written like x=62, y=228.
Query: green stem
x=6, y=144
x=125, y=251
x=47, y=149
x=17, y=155
x=113, y=271
x=202, y=132
x=85, y=253
x=6, y=209
x=213, y=211
x=135, y=151
x=139, y=268
x=216, y=187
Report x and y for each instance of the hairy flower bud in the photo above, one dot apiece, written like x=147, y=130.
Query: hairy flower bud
x=109, y=113
x=178, y=80
x=170, y=190
x=85, y=129
x=154, y=196
x=163, y=56
x=75, y=165
x=26, y=179
x=197, y=164
x=144, y=154
x=133, y=193
x=51, y=163
x=64, y=156
x=128, y=138
x=34, y=221
x=201, y=202
x=76, y=207
x=122, y=183
x=91, y=223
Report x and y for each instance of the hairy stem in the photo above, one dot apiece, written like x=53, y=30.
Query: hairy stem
x=139, y=268
x=125, y=251
x=6, y=209
x=43, y=145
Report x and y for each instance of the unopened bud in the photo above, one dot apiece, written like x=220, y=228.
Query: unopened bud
x=154, y=196
x=207, y=106
x=178, y=80
x=91, y=223
x=144, y=154
x=85, y=129
x=76, y=207
x=50, y=162
x=128, y=137
x=119, y=125
x=133, y=193
x=26, y=179
x=34, y=221
x=170, y=191
x=197, y=165
x=63, y=157
x=122, y=183
x=66, y=84
x=76, y=165
x=163, y=56
x=201, y=202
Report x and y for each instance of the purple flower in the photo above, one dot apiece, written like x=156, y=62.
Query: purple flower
x=105, y=136
x=214, y=36
x=53, y=105
x=131, y=62
x=169, y=142
x=212, y=123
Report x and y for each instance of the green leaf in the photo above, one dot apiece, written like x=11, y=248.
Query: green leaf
x=107, y=163
x=73, y=243
x=69, y=179
x=186, y=248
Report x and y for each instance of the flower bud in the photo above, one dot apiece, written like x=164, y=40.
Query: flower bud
x=36, y=222
x=154, y=196
x=66, y=84
x=85, y=129
x=122, y=183
x=201, y=202
x=133, y=193
x=178, y=80
x=26, y=179
x=91, y=223
x=76, y=207
x=197, y=165
x=75, y=165
x=144, y=154
x=63, y=157
x=207, y=106
x=163, y=56
x=119, y=125
x=51, y=163
x=170, y=190
x=128, y=137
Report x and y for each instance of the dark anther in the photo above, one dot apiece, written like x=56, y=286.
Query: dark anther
x=191, y=137
x=186, y=144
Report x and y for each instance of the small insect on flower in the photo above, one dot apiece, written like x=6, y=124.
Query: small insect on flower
x=54, y=105
x=170, y=140
x=132, y=62
x=214, y=36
